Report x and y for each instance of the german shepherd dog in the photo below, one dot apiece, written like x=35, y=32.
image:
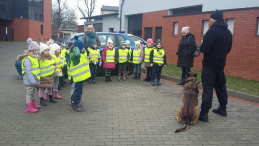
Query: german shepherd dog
x=189, y=112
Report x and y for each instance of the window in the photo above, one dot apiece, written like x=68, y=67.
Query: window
x=205, y=26
x=230, y=23
x=257, y=26
x=98, y=27
x=175, y=28
x=2, y=5
x=133, y=38
x=111, y=29
x=104, y=38
x=185, y=10
x=41, y=29
x=36, y=10
x=120, y=38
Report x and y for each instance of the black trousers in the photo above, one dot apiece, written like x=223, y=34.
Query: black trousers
x=122, y=67
x=213, y=78
x=149, y=72
x=93, y=69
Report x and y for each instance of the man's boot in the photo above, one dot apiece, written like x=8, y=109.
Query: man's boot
x=182, y=82
x=221, y=110
x=204, y=115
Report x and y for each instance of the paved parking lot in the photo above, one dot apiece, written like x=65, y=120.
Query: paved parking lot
x=117, y=113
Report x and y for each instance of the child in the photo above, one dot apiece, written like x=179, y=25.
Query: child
x=78, y=71
x=46, y=72
x=55, y=48
x=31, y=75
x=63, y=59
x=147, y=51
x=108, y=57
x=136, y=58
x=127, y=43
x=122, y=56
x=95, y=59
x=157, y=61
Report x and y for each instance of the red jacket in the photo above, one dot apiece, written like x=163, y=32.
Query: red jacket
x=107, y=65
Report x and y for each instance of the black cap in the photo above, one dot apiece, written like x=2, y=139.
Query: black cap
x=217, y=15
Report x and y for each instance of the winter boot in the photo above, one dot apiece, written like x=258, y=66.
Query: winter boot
x=119, y=76
x=220, y=110
x=106, y=79
x=30, y=108
x=77, y=108
x=46, y=96
x=204, y=115
x=158, y=83
x=94, y=82
x=51, y=99
x=124, y=77
x=42, y=102
x=149, y=79
x=90, y=81
x=136, y=76
x=182, y=82
x=109, y=78
x=127, y=75
x=55, y=95
x=34, y=104
x=153, y=83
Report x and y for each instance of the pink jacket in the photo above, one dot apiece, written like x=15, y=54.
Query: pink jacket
x=107, y=65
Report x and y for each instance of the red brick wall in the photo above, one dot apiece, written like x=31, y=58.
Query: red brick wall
x=80, y=28
x=242, y=61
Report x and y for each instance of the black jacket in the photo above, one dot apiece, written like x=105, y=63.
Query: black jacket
x=187, y=47
x=217, y=43
x=152, y=55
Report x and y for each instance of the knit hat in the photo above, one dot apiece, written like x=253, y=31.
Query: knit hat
x=137, y=42
x=78, y=43
x=122, y=43
x=217, y=15
x=109, y=41
x=43, y=47
x=158, y=41
x=59, y=40
x=50, y=41
x=150, y=41
x=32, y=45
x=93, y=42
x=185, y=29
x=127, y=42
x=53, y=48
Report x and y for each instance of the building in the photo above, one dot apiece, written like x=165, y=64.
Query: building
x=66, y=33
x=80, y=28
x=107, y=22
x=164, y=20
x=21, y=19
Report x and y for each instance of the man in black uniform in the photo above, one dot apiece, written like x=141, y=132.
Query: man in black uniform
x=217, y=43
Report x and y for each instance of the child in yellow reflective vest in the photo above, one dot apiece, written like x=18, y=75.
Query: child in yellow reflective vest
x=31, y=75
x=122, y=57
x=94, y=60
x=147, y=51
x=136, y=58
x=157, y=62
x=127, y=43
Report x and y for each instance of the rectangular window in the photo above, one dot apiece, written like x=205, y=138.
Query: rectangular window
x=35, y=10
x=2, y=5
x=257, y=26
x=41, y=29
x=175, y=28
x=230, y=23
x=111, y=29
x=205, y=26
x=185, y=10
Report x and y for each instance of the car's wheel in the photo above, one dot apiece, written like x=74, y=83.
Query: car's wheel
x=130, y=67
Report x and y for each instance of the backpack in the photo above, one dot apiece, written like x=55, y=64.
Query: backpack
x=197, y=51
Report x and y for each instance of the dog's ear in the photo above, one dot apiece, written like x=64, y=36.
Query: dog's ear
x=195, y=74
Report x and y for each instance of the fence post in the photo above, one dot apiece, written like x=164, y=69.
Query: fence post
x=12, y=34
x=6, y=33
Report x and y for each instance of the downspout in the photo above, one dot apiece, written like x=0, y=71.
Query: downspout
x=121, y=13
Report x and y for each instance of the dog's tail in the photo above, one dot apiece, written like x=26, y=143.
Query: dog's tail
x=185, y=126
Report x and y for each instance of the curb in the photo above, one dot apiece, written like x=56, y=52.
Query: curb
x=233, y=93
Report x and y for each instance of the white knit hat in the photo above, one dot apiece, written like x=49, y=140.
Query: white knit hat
x=50, y=42
x=185, y=29
x=53, y=48
x=109, y=41
x=43, y=47
x=137, y=42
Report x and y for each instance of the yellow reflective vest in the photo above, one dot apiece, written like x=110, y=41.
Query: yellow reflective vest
x=147, y=53
x=158, y=56
x=123, y=55
x=46, y=68
x=136, y=56
x=63, y=56
x=81, y=71
x=58, y=63
x=94, y=54
x=34, y=66
x=110, y=54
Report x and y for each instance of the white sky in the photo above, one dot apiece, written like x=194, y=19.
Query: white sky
x=97, y=11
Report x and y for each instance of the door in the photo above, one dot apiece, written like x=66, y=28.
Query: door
x=158, y=33
x=148, y=33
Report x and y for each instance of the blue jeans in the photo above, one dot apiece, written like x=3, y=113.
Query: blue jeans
x=93, y=69
x=156, y=73
x=138, y=68
x=56, y=82
x=185, y=70
x=78, y=92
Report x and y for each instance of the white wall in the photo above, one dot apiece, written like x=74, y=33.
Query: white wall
x=142, y=6
x=111, y=22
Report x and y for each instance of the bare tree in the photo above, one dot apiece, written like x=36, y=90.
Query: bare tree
x=59, y=7
x=89, y=6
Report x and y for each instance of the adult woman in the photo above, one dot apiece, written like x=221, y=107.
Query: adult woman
x=89, y=36
x=187, y=47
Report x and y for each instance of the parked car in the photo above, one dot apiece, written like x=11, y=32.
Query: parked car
x=116, y=38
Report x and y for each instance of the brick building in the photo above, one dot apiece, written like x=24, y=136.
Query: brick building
x=242, y=18
x=25, y=18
